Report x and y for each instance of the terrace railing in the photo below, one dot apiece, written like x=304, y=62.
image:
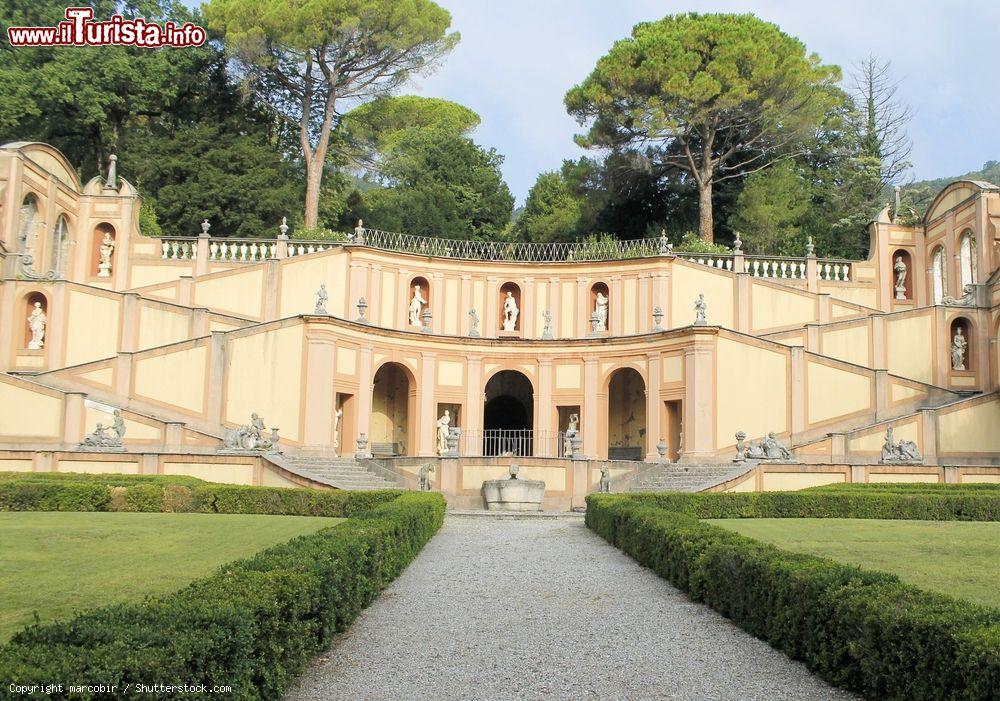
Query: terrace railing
x=229, y=250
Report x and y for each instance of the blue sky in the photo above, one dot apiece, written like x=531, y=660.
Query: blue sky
x=517, y=58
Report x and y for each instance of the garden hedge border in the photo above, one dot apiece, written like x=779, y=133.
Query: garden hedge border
x=862, y=630
x=253, y=624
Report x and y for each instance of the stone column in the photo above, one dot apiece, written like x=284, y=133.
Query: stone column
x=545, y=443
x=490, y=328
x=427, y=409
x=272, y=285
x=929, y=430
x=593, y=400
x=358, y=287
x=214, y=408
x=472, y=422
x=438, y=303
x=130, y=322
x=580, y=479
x=123, y=374
x=185, y=291
x=319, y=392
x=812, y=273
x=881, y=394
x=529, y=309
x=616, y=307
x=743, y=305
x=375, y=300
x=644, y=306
x=653, y=404
x=581, y=315
x=366, y=379
x=201, y=322
x=464, y=305
x=201, y=254
x=699, y=397
x=173, y=439
x=73, y=418
x=824, y=308
x=799, y=417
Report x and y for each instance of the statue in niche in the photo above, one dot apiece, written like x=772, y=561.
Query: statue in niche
x=321, y=298
x=107, y=250
x=442, y=432
x=900, y=268
x=474, y=330
x=959, y=345
x=416, y=306
x=700, y=311
x=572, y=429
x=904, y=452
x=510, y=312
x=337, y=415
x=601, y=309
x=547, y=325
x=36, y=323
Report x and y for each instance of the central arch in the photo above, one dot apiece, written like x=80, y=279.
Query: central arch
x=393, y=397
x=626, y=415
x=508, y=415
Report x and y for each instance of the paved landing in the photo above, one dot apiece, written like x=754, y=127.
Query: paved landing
x=544, y=609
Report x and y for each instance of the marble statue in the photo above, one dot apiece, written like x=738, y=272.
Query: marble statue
x=958, y=347
x=904, y=452
x=768, y=449
x=442, y=432
x=362, y=308
x=416, y=306
x=601, y=308
x=900, y=268
x=510, y=312
x=604, y=486
x=657, y=318
x=547, y=325
x=424, y=478
x=36, y=322
x=474, y=329
x=321, y=298
x=700, y=311
x=107, y=250
x=118, y=427
x=572, y=430
x=250, y=436
x=96, y=438
x=968, y=298
x=337, y=416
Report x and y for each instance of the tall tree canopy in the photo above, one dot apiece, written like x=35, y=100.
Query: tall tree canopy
x=717, y=96
x=311, y=59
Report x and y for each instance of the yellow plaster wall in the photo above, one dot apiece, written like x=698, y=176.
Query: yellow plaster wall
x=904, y=477
x=133, y=429
x=160, y=327
x=687, y=283
x=791, y=481
x=630, y=292
x=98, y=467
x=542, y=297
x=972, y=429
x=103, y=376
x=270, y=478
x=899, y=393
x=92, y=327
x=751, y=391
x=865, y=296
x=772, y=307
x=568, y=376
x=747, y=484
x=241, y=293
x=473, y=476
x=835, y=392
x=449, y=306
x=950, y=200
x=176, y=378
x=30, y=414
x=15, y=466
x=963, y=479
x=909, y=344
x=264, y=375
x=567, y=311
x=387, y=313
x=143, y=275
x=673, y=369
x=212, y=472
x=347, y=359
x=872, y=442
x=300, y=280
x=849, y=344
x=450, y=373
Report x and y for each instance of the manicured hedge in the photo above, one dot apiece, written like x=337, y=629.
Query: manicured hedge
x=252, y=625
x=862, y=630
x=204, y=497
x=101, y=478
x=976, y=505
x=908, y=487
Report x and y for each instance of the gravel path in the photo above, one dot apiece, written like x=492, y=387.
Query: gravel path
x=544, y=609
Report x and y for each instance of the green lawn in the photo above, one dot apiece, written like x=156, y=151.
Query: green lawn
x=958, y=558
x=62, y=563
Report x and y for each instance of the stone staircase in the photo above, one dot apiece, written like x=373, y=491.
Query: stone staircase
x=343, y=473
x=680, y=478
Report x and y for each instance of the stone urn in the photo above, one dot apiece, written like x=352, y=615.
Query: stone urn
x=513, y=494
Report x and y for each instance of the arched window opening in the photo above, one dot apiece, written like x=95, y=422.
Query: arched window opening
x=939, y=278
x=967, y=260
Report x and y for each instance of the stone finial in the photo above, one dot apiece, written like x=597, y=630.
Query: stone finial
x=454, y=434
x=362, y=308
x=665, y=247
x=595, y=324
x=661, y=448
x=205, y=226
x=514, y=469
x=362, y=451
x=283, y=228
x=657, y=319
x=359, y=233
x=738, y=244
x=810, y=247
x=112, y=182
x=425, y=319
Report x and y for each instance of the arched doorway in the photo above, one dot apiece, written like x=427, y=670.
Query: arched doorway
x=626, y=415
x=390, y=432
x=508, y=415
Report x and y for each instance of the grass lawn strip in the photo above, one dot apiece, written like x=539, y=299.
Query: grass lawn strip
x=961, y=559
x=64, y=563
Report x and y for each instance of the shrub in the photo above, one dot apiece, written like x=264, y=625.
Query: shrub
x=252, y=625
x=863, y=630
x=53, y=496
x=101, y=478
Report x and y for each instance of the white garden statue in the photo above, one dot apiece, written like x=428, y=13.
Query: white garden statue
x=900, y=269
x=336, y=427
x=416, y=306
x=36, y=323
x=107, y=250
x=443, y=425
x=958, y=347
x=510, y=312
x=601, y=308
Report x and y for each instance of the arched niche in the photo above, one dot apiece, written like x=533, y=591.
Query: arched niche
x=904, y=291
x=939, y=275
x=420, y=289
x=966, y=260
x=96, y=241
x=27, y=224
x=961, y=328
x=393, y=398
x=27, y=307
x=626, y=415
x=598, y=291
x=510, y=314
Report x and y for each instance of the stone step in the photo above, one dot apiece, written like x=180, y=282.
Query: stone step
x=345, y=473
